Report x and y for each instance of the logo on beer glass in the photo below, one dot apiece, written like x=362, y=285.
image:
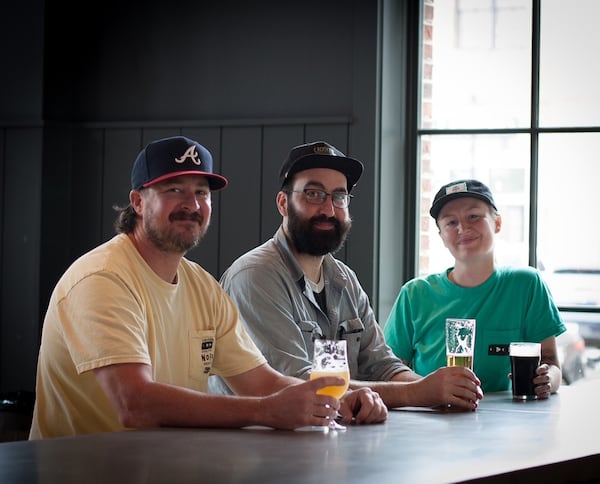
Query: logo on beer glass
x=460, y=342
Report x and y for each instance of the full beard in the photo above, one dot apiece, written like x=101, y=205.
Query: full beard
x=309, y=240
x=173, y=241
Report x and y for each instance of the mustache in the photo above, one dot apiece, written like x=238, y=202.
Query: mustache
x=192, y=216
x=324, y=218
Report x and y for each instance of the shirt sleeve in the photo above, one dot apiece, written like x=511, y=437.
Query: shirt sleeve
x=236, y=352
x=376, y=359
x=103, y=323
x=399, y=329
x=542, y=318
x=264, y=301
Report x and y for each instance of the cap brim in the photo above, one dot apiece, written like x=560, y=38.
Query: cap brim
x=436, y=208
x=215, y=182
x=348, y=166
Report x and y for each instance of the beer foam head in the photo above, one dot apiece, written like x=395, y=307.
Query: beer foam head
x=525, y=349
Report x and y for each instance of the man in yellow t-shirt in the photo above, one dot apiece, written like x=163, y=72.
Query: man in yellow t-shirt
x=134, y=329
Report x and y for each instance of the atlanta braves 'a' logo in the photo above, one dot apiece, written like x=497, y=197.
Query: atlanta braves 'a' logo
x=189, y=153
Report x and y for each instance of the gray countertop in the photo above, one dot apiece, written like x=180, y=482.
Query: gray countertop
x=552, y=440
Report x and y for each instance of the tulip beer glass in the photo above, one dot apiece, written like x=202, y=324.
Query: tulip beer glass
x=330, y=359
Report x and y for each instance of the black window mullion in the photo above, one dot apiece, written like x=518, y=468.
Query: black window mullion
x=534, y=134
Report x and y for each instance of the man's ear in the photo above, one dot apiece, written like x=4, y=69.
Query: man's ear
x=498, y=222
x=136, y=199
x=282, y=201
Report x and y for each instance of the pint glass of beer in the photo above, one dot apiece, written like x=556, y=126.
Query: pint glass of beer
x=460, y=342
x=524, y=360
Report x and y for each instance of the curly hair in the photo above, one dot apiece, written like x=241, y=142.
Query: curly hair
x=126, y=219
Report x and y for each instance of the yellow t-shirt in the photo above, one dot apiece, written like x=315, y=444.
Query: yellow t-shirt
x=110, y=307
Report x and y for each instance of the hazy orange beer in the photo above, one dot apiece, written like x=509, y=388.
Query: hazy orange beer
x=330, y=360
x=336, y=391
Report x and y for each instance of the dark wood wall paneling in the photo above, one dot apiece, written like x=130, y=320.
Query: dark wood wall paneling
x=87, y=172
x=20, y=253
x=244, y=213
x=96, y=92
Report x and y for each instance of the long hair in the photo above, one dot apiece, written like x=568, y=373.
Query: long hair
x=126, y=219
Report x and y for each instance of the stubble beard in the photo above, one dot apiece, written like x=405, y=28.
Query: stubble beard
x=172, y=241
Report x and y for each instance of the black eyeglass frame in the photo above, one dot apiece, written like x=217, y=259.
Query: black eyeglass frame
x=343, y=202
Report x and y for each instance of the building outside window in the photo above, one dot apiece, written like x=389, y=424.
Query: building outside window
x=508, y=95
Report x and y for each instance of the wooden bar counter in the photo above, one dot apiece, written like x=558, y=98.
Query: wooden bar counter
x=554, y=440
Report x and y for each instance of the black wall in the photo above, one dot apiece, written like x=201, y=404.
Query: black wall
x=83, y=89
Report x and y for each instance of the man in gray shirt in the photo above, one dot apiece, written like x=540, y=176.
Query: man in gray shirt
x=291, y=290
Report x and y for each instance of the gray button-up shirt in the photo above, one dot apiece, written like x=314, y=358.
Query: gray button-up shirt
x=282, y=316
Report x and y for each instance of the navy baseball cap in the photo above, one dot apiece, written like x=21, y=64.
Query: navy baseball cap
x=460, y=189
x=170, y=157
x=320, y=155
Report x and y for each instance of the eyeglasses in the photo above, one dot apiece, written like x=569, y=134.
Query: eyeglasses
x=318, y=197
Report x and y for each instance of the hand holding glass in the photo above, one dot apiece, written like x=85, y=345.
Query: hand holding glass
x=460, y=342
x=330, y=359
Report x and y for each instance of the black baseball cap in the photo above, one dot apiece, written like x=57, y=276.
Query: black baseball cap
x=320, y=154
x=460, y=189
x=170, y=157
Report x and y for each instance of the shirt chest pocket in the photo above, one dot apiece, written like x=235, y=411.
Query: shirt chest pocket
x=202, y=353
x=352, y=331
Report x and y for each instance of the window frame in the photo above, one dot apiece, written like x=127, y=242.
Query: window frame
x=397, y=260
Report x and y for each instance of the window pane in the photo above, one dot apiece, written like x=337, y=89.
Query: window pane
x=499, y=161
x=568, y=242
x=477, y=64
x=569, y=67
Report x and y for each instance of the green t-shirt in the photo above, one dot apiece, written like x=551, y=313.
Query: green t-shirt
x=514, y=304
